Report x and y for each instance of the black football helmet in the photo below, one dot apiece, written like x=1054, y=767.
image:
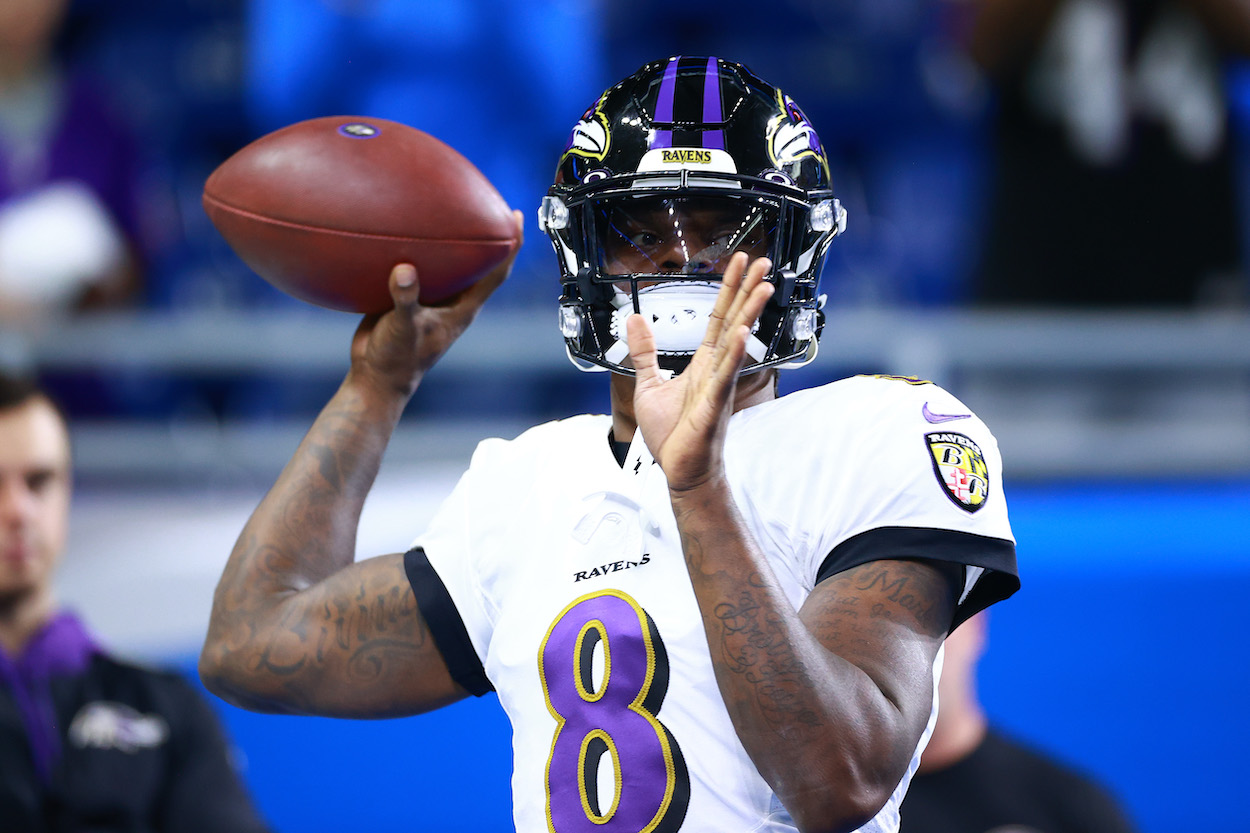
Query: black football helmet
x=667, y=174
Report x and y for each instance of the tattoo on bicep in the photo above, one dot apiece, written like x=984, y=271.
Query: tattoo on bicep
x=266, y=663
x=847, y=627
x=902, y=589
x=379, y=658
x=372, y=632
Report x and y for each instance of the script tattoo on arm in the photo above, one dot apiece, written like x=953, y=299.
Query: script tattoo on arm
x=354, y=645
x=898, y=591
x=376, y=631
x=755, y=646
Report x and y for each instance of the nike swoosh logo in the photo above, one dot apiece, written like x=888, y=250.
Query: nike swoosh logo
x=937, y=418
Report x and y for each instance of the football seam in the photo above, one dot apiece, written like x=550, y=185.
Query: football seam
x=243, y=212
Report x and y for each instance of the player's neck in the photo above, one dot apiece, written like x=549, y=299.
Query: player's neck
x=751, y=390
x=21, y=617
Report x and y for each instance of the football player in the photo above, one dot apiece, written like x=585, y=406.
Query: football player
x=712, y=608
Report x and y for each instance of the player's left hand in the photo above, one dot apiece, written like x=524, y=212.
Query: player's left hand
x=684, y=419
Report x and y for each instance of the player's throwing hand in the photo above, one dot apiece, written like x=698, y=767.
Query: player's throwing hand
x=395, y=348
x=683, y=419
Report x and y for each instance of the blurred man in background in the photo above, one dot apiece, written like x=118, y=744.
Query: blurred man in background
x=974, y=779
x=87, y=742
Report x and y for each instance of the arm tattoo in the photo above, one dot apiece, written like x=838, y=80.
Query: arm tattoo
x=753, y=643
x=749, y=643
x=755, y=646
x=903, y=590
x=377, y=634
x=328, y=466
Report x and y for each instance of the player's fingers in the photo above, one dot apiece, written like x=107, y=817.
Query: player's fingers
x=757, y=273
x=749, y=304
x=750, y=282
x=642, y=352
x=732, y=354
x=754, y=295
x=723, y=306
x=718, y=382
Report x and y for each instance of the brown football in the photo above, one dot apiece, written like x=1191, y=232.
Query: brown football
x=324, y=208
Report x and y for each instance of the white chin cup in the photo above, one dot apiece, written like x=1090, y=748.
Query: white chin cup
x=678, y=312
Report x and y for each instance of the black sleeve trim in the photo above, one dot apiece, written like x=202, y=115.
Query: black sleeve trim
x=997, y=555
x=445, y=624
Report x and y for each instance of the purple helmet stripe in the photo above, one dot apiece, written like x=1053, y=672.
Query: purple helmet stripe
x=664, y=106
x=712, y=106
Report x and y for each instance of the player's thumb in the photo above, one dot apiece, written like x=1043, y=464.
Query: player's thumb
x=405, y=288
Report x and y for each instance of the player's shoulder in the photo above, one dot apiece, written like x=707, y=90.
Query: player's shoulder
x=865, y=419
x=550, y=439
x=876, y=401
x=884, y=390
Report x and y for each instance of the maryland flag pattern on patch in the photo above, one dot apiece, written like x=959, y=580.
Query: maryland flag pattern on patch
x=960, y=468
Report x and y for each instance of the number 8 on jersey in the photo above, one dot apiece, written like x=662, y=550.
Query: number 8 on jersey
x=616, y=718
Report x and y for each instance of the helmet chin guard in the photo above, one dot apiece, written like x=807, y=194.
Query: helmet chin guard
x=668, y=174
x=678, y=312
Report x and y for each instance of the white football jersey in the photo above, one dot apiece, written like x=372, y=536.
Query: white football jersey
x=555, y=575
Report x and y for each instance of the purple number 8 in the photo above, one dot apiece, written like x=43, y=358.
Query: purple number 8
x=616, y=718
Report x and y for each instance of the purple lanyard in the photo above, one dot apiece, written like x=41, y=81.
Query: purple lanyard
x=61, y=648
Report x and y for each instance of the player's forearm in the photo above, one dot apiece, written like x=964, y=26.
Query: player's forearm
x=306, y=525
x=819, y=730
x=305, y=528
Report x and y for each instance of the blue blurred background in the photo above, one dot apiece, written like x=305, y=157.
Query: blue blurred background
x=1125, y=423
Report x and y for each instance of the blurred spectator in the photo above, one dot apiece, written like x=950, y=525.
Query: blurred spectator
x=498, y=80
x=176, y=72
x=87, y=742
x=975, y=779
x=68, y=177
x=1114, y=182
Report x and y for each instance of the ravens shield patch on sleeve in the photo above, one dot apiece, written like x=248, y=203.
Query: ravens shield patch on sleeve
x=960, y=468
